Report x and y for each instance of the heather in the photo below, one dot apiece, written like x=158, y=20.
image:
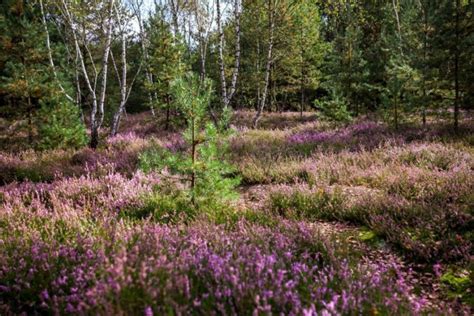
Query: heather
x=65, y=248
x=288, y=268
x=414, y=191
x=231, y=157
x=328, y=226
x=119, y=153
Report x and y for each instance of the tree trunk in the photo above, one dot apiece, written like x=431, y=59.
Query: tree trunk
x=123, y=86
x=302, y=101
x=202, y=50
x=78, y=90
x=221, y=55
x=302, y=74
x=271, y=86
x=396, y=112
x=143, y=40
x=425, y=45
x=399, y=27
x=91, y=86
x=456, y=72
x=50, y=54
x=258, y=74
x=271, y=22
x=235, y=73
x=30, y=120
x=193, y=161
x=168, y=105
x=105, y=64
x=174, y=15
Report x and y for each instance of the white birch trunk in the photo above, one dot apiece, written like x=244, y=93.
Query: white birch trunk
x=271, y=13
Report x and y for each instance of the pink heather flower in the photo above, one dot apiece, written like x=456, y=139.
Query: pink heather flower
x=437, y=270
x=70, y=308
x=148, y=311
x=44, y=295
x=311, y=311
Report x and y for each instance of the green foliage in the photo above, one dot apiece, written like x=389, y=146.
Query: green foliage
x=459, y=285
x=403, y=83
x=156, y=158
x=334, y=108
x=166, y=61
x=163, y=207
x=370, y=237
x=60, y=126
x=215, y=184
x=28, y=81
x=319, y=204
x=202, y=166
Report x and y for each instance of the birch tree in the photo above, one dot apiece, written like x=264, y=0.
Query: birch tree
x=96, y=82
x=137, y=7
x=50, y=54
x=203, y=15
x=227, y=94
x=125, y=86
x=271, y=30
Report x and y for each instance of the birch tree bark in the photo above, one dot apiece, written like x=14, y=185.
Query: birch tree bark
x=221, y=54
x=396, y=5
x=97, y=120
x=98, y=97
x=227, y=95
x=122, y=79
x=271, y=29
x=125, y=88
x=50, y=53
x=204, y=17
x=137, y=8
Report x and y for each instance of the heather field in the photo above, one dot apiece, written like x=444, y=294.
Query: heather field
x=355, y=219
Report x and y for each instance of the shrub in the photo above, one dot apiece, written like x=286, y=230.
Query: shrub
x=60, y=126
x=317, y=204
x=202, y=165
x=334, y=108
x=203, y=268
x=162, y=207
x=424, y=232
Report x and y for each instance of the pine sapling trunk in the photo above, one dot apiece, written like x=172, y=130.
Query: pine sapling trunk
x=30, y=121
x=396, y=112
x=302, y=89
x=193, y=161
x=424, y=116
x=168, y=109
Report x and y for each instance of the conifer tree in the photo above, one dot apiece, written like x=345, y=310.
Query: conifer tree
x=29, y=82
x=165, y=60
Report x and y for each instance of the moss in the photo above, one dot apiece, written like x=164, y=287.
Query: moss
x=368, y=236
x=459, y=284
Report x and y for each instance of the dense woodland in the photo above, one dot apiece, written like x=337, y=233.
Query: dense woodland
x=97, y=60
x=237, y=157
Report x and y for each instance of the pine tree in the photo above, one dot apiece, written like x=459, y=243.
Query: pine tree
x=165, y=61
x=29, y=83
x=202, y=163
x=452, y=42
